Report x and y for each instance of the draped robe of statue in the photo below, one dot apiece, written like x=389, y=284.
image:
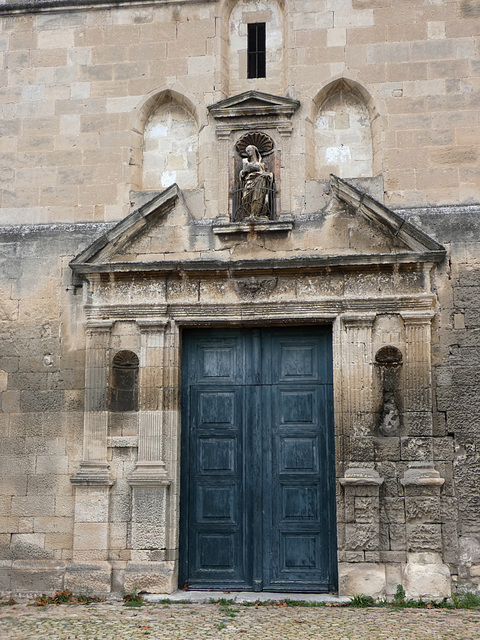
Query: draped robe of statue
x=256, y=185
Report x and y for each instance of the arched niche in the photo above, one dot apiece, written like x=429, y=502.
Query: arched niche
x=124, y=382
x=170, y=149
x=345, y=133
x=165, y=145
x=237, y=15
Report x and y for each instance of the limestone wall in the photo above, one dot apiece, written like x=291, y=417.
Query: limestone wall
x=43, y=380
x=79, y=86
x=456, y=360
x=42, y=363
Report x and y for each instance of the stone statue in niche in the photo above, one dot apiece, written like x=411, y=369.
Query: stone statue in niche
x=256, y=184
x=254, y=196
x=389, y=360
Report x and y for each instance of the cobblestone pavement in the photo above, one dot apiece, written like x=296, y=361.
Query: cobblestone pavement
x=114, y=621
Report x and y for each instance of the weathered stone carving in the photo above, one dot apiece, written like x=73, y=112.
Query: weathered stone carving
x=254, y=196
x=389, y=360
x=253, y=287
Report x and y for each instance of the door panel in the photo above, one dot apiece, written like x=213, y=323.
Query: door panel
x=258, y=492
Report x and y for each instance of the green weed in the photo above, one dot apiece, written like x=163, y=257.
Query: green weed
x=361, y=600
x=399, y=597
x=467, y=600
x=66, y=597
x=133, y=598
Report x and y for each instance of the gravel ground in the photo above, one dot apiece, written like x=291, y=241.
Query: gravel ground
x=114, y=621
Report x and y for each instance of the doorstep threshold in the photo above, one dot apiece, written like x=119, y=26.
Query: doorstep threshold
x=243, y=597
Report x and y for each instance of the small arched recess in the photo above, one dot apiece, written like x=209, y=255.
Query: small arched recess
x=345, y=132
x=169, y=150
x=237, y=16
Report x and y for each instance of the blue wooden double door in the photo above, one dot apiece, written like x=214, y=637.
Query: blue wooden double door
x=258, y=481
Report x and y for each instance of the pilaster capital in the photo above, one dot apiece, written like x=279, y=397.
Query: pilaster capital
x=152, y=324
x=353, y=320
x=94, y=326
x=223, y=133
x=417, y=317
x=285, y=130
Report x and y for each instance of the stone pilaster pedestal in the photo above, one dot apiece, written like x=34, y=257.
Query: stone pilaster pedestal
x=150, y=568
x=362, y=572
x=90, y=567
x=425, y=575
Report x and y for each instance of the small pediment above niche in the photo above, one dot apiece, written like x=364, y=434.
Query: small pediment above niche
x=251, y=104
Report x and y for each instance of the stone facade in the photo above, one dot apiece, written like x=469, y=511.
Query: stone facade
x=122, y=144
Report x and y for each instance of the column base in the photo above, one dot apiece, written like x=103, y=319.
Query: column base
x=151, y=577
x=93, y=577
x=368, y=578
x=426, y=577
x=92, y=473
x=149, y=474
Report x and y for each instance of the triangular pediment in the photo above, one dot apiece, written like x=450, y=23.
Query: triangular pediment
x=353, y=230
x=254, y=103
x=387, y=222
x=112, y=244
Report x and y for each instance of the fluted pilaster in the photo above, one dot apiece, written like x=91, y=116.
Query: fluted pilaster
x=93, y=467
x=285, y=171
x=223, y=176
x=150, y=463
x=357, y=369
x=418, y=372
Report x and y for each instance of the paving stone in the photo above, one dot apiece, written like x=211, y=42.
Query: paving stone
x=114, y=621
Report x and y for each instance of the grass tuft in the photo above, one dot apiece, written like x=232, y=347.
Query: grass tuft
x=65, y=597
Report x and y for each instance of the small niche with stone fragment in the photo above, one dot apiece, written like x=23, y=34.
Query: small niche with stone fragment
x=389, y=361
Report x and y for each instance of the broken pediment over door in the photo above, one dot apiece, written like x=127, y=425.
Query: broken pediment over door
x=352, y=230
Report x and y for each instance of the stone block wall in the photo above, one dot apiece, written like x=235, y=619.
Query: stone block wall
x=456, y=360
x=42, y=360
x=78, y=89
x=77, y=83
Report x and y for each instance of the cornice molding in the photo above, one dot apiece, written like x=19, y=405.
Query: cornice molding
x=56, y=6
x=254, y=104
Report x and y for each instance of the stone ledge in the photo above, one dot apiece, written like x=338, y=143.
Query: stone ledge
x=361, y=476
x=422, y=474
x=41, y=6
x=255, y=225
x=244, y=597
x=122, y=442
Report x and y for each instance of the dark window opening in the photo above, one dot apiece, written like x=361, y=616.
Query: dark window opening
x=256, y=50
x=124, y=387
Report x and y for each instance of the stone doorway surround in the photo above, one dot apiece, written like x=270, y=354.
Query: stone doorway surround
x=374, y=290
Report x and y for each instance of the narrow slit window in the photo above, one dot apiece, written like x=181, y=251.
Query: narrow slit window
x=256, y=49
